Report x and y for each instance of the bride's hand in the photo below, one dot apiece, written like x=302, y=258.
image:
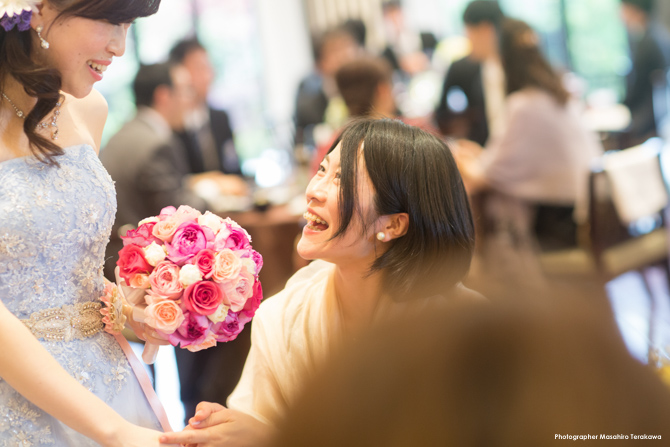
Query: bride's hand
x=133, y=436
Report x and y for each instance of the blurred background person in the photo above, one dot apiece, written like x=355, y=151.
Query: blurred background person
x=493, y=375
x=404, y=49
x=207, y=134
x=649, y=47
x=366, y=87
x=473, y=92
x=332, y=49
x=542, y=155
x=145, y=159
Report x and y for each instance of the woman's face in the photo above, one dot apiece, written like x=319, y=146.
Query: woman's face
x=80, y=49
x=354, y=247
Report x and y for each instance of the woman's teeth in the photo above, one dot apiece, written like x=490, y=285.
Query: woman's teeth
x=315, y=222
x=97, y=67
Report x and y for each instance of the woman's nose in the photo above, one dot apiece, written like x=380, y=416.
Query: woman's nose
x=117, y=43
x=316, y=190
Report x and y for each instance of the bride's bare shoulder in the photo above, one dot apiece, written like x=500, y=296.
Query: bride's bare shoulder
x=91, y=111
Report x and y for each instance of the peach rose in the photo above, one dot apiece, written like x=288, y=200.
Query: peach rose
x=140, y=281
x=165, y=316
x=185, y=213
x=208, y=343
x=164, y=230
x=227, y=266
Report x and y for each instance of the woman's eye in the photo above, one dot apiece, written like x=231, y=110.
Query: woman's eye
x=322, y=168
x=337, y=175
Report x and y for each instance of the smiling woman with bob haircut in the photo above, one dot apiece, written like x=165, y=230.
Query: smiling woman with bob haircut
x=389, y=230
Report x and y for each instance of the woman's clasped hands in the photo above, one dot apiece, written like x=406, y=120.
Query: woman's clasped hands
x=214, y=425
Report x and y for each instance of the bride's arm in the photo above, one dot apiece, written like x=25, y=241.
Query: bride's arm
x=41, y=380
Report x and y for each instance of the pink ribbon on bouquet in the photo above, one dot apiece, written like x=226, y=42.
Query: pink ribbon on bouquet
x=145, y=383
x=135, y=298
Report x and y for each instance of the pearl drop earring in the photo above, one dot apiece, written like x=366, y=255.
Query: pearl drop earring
x=43, y=43
x=381, y=236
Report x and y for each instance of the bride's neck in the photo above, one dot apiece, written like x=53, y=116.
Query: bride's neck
x=17, y=95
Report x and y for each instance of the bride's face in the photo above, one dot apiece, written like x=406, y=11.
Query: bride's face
x=80, y=49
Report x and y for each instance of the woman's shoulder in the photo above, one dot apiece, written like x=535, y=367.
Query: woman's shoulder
x=304, y=288
x=91, y=111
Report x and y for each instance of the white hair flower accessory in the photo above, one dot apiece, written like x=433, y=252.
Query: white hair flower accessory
x=16, y=13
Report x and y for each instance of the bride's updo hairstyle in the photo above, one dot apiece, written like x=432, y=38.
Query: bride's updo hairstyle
x=412, y=172
x=43, y=83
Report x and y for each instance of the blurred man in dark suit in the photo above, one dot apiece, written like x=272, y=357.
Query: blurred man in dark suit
x=473, y=93
x=209, y=136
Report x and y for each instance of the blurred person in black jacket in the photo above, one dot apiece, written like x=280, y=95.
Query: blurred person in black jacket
x=474, y=87
x=647, y=48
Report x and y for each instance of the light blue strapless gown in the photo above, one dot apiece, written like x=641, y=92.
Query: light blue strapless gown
x=54, y=226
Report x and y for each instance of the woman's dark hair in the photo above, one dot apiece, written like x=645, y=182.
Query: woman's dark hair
x=357, y=83
x=44, y=83
x=523, y=62
x=412, y=172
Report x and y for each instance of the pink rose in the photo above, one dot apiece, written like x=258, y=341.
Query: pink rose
x=232, y=237
x=165, y=229
x=167, y=212
x=142, y=236
x=208, y=343
x=252, y=304
x=165, y=316
x=204, y=260
x=131, y=261
x=227, y=266
x=193, y=331
x=258, y=260
x=238, y=290
x=228, y=329
x=203, y=297
x=187, y=241
x=165, y=280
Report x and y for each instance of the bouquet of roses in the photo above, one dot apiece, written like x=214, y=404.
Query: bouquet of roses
x=191, y=277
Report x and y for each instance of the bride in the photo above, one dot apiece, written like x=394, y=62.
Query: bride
x=63, y=381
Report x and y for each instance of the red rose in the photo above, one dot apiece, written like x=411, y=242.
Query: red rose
x=131, y=261
x=203, y=297
x=204, y=260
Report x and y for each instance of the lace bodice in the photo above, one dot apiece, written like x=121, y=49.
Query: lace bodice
x=54, y=226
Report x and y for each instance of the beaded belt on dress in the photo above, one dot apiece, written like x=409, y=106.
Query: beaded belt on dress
x=66, y=323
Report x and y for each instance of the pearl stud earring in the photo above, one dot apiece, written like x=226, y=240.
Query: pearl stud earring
x=381, y=236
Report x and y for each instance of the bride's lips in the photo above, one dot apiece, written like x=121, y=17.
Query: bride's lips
x=97, y=67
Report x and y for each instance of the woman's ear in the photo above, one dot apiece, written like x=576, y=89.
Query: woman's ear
x=393, y=226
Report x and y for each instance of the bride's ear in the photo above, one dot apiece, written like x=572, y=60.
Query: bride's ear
x=393, y=226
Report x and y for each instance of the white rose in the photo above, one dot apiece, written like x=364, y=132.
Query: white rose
x=154, y=253
x=250, y=265
x=147, y=220
x=189, y=274
x=220, y=314
x=211, y=220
